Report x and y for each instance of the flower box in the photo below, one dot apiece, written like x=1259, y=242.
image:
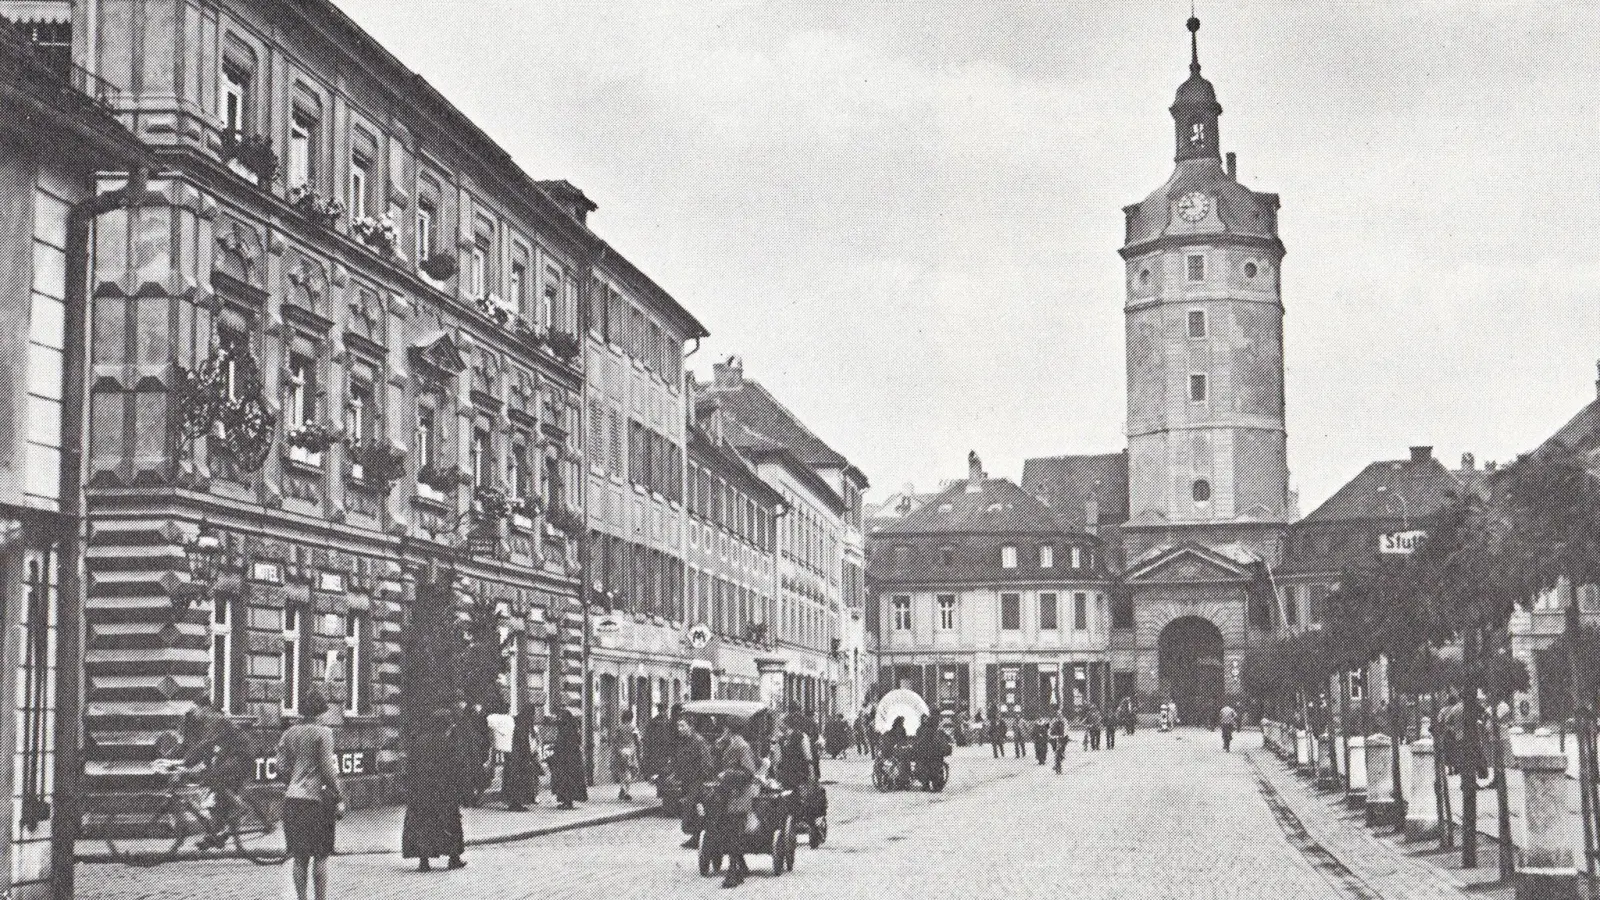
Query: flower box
x=440, y=266
x=314, y=437
x=325, y=211
x=563, y=345
x=253, y=152
x=381, y=234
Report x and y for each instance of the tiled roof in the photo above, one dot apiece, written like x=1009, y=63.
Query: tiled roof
x=998, y=507
x=757, y=419
x=1581, y=432
x=1410, y=488
x=1066, y=483
x=1386, y=496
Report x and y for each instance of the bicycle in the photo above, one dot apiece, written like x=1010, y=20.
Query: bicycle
x=188, y=810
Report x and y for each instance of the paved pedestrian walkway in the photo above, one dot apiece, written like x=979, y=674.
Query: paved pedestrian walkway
x=1367, y=864
x=377, y=830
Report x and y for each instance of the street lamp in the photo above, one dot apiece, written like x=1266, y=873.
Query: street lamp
x=205, y=552
x=1384, y=492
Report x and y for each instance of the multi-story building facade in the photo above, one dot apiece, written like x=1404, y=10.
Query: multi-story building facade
x=638, y=409
x=733, y=568
x=57, y=135
x=336, y=353
x=983, y=601
x=822, y=507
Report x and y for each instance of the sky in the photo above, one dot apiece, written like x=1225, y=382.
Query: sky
x=904, y=217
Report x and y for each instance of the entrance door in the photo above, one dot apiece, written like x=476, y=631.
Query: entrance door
x=1191, y=668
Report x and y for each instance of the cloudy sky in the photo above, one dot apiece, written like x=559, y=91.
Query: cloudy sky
x=905, y=216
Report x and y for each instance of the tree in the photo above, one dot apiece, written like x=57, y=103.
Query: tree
x=434, y=646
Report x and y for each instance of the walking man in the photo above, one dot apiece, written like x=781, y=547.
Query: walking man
x=1058, y=739
x=1126, y=713
x=1228, y=718
x=1108, y=723
x=997, y=737
x=1091, y=727
x=1019, y=738
x=1041, y=740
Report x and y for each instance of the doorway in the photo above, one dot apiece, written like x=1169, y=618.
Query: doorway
x=1191, y=668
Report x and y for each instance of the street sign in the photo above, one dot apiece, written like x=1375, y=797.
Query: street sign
x=1400, y=542
x=700, y=636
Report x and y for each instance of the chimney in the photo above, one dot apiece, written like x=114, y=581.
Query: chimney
x=1469, y=463
x=728, y=375
x=1233, y=166
x=1091, y=513
x=974, y=472
x=1421, y=454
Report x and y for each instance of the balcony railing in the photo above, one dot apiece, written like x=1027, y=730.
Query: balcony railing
x=101, y=91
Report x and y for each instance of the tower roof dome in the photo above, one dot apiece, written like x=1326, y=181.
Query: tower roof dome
x=1196, y=93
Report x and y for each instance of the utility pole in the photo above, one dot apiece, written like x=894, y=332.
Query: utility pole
x=1470, y=751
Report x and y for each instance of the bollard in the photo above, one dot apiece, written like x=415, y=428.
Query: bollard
x=1355, y=792
x=1382, y=810
x=1327, y=775
x=1547, y=871
x=1422, y=808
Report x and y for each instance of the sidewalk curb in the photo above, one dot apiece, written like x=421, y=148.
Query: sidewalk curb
x=489, y=840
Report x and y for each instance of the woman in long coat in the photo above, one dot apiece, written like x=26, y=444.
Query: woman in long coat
x=519, y=781
x=566, y=762
x=435, y=781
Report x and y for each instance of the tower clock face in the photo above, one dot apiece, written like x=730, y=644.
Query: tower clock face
x=1193, y=206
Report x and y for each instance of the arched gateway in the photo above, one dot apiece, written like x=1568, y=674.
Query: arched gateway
x=1191, y=667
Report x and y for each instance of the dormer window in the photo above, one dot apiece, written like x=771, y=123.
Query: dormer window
x=1047, y=556
x=947, y=556
x=1008, y=557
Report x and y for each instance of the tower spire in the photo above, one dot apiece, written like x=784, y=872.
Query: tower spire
x=1194, y=42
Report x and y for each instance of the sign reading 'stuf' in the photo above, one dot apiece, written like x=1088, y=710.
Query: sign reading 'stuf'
x=1401, y=542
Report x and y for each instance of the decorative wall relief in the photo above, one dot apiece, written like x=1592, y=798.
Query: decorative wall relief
x=239, y=252
x=308, y=280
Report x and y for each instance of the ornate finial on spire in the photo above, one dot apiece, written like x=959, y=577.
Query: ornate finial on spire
x=1194, y=41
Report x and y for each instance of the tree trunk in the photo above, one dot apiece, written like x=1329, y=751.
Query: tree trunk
x=1507, y=859
x=1396, y=733
x=1344, y=723
x=1441, y=791
x=1469, y=753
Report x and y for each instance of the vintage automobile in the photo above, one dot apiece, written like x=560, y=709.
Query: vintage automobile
x=776, y=832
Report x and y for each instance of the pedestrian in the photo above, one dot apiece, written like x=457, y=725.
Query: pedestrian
x=1091, y=727
x=1019, y=737
x=1041, y=740
x=693, y=766
x=1108, y=723
x=793, y=766
x=836, y=737
x=980, y=727
x=1228, y=719
x=314, y=799
x=625, y=755
x=736, y=785
x=502, y=726
x=1058, y=739
x=436, y=781
x=864, y=732
x=1126, y=712
x=997, y=737
x=655, y=751
x=565, y=759
x=475, y=744
x=519, y=779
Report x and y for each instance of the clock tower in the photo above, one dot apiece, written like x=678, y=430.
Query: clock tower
x=1204, y=330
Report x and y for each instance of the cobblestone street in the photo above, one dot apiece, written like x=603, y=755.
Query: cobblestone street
x=1163, y=815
